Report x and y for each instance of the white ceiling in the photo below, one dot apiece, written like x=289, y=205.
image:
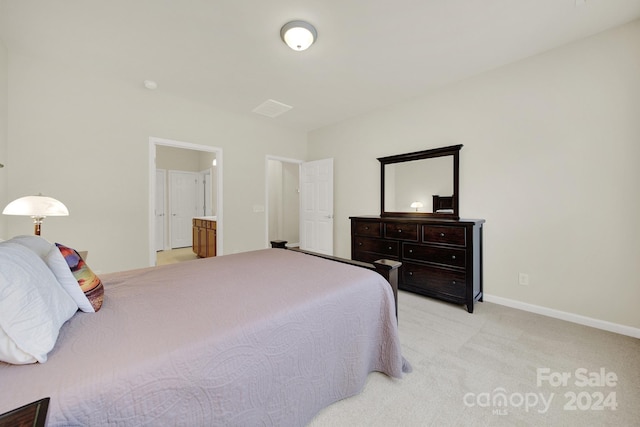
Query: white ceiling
x=369, y=53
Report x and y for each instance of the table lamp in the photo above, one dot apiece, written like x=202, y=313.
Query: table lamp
x=37, y=207
x=416, y=205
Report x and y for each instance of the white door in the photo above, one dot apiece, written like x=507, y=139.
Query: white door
x=316, y=206
x=183, y=190
x=160, y=218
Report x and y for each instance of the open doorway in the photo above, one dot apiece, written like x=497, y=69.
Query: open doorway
x=199, y=167
x=283, y=200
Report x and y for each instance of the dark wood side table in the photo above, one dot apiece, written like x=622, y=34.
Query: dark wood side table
x=31, y=415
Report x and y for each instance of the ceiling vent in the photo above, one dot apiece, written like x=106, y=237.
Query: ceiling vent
x=271, y=108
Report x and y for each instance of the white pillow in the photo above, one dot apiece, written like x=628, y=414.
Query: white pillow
x=37, y=244
x=33, y=306
x=51, y=255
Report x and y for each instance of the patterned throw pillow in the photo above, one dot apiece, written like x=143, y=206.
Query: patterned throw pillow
x=88, y=281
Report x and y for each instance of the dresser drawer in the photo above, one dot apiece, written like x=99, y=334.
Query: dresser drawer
x=204, y=223
x=371, y=257
x=444, y=235
x=382, y=247
x=404, y=231
x=434, y=280
x=367, y=228
x=433, y=254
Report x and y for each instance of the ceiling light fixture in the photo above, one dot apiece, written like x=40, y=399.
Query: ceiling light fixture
x=298, y=35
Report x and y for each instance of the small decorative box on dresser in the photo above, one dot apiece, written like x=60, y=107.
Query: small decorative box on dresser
x=440, y=258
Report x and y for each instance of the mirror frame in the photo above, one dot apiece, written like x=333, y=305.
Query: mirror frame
x=453, y=150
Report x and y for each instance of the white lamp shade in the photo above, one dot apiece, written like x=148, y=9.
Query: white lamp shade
x=416, y=205
x=36, y=206
x=298, y=35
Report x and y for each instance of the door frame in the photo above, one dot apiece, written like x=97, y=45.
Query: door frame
x=206, y=175
x=164, y=211
x=153, y=143
x=266, y=190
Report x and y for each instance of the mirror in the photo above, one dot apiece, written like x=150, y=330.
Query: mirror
x=423, y=183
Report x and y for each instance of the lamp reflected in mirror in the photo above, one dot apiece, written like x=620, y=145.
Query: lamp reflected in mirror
x=37, y=207
x=417, y=205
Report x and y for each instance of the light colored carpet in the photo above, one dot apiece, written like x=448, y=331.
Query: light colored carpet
x=464, y=363
x=175, y=255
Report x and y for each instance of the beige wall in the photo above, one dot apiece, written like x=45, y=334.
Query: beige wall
x=3, y=135
x=550, y=160
x=291, y=201
x=84, y=139
x=172, y=158
x=284, y=201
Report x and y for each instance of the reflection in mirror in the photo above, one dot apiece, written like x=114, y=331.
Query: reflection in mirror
x=422, y=183
x=410, y=186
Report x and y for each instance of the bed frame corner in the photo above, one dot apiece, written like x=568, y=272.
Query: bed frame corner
x=385, y=267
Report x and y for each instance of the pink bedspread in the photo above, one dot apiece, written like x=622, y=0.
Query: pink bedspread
x=267, y=337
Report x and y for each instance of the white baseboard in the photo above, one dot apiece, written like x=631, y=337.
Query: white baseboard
x=563, y=315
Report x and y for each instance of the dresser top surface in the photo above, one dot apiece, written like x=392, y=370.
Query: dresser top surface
x=421, y=220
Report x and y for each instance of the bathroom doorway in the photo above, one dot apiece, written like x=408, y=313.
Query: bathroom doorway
x=181, y=152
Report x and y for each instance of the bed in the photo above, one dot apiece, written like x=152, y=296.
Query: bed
x=267, y=337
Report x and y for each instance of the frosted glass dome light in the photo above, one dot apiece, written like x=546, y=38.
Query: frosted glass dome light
x=298, y=35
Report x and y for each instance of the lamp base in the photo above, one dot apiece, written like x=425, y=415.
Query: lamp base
x=37, y=222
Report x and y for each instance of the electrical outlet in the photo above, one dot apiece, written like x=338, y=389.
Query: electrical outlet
x=523, y=279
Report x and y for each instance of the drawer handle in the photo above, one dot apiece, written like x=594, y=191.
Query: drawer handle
x=359, y=243
x=453, y=283
x=399, y=230
x=366, y=228
x=453, y=257
x=410, y=251
x=441, y=234
x=389, y=247
x=411, y=273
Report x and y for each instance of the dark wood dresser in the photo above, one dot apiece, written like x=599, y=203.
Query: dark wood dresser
x=441, y=258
